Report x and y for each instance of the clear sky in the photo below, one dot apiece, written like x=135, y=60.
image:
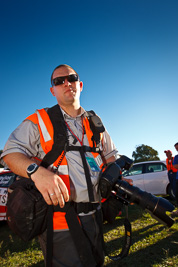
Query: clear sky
x=125, y=51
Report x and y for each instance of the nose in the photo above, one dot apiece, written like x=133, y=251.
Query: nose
x=66, y=82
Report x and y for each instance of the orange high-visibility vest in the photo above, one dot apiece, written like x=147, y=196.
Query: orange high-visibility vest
x=170, y=165
x=41, y=118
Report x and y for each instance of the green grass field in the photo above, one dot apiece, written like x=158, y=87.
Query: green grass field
x=152, y=243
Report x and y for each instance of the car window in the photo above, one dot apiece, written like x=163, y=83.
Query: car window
x=155, y=167
x=135, y=170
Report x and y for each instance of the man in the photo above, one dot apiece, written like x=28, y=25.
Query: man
x=176, y=146
x=172, y=172
x=26, y=146
x=175, y=164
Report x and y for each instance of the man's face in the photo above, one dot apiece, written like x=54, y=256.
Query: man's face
x=68, y=92
x=176, y=147
x=169, y=154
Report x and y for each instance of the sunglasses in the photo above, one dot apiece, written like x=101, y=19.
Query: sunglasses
x=60, y=80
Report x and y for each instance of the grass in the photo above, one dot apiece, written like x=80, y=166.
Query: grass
x=152, y=243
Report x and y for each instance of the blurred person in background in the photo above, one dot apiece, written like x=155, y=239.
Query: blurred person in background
x=172, y=171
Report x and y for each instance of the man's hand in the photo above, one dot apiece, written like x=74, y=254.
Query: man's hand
x=51, y=187
x=130, y=181
x=112, y=159
x=175, y=166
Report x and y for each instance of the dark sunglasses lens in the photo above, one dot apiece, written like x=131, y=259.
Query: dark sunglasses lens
x=72, y=78
x=58, y=81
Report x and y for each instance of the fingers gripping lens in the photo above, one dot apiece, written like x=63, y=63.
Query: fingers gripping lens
x=60, y=80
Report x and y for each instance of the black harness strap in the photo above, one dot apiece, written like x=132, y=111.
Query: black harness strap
x=49, y=237
x=87, y=175
x=82, y=150
x=60, y=136
x=82, y=244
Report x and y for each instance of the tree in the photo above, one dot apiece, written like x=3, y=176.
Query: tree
x=144, y=153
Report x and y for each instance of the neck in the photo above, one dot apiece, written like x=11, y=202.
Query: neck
x=72, y=111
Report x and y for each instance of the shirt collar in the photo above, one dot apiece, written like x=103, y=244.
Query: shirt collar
x=66, y=116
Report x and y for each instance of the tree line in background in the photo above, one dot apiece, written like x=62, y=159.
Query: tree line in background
x=141, y=153
x=144, y=153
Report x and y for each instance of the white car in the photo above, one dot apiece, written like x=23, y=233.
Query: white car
x=150, y=176
x=7, y=177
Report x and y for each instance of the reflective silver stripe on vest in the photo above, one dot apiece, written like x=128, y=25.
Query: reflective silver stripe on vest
x=63, y=169
x=99, y=160
x=43, y=128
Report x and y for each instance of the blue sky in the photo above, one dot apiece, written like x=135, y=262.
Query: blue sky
x=125, y=51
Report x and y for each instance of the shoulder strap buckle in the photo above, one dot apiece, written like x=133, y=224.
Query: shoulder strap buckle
x=96, y=126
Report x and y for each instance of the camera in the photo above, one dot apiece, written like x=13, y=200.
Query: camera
x=111, y=180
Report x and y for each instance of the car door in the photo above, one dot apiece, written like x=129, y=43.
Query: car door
x=155, y=178
x=136, y=174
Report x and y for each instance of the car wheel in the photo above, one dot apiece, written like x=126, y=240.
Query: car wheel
x=170, y=192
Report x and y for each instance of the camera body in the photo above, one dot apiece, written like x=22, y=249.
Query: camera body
x=111, y=180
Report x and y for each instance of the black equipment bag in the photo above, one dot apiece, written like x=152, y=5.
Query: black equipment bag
x=26, y=209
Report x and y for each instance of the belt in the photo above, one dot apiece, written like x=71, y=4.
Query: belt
x=81, y=207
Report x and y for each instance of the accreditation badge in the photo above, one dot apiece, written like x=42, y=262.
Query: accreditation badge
x=94, y=168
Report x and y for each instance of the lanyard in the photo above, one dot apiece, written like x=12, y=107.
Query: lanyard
x=80, y=141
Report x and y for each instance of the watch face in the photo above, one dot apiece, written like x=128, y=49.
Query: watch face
x=32, y=167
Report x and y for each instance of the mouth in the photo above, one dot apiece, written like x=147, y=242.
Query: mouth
x=70, y=90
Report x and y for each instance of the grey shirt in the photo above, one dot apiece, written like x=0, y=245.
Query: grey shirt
x=26, y=139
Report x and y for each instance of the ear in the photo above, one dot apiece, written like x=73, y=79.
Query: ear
x=52, y=91
x=81, y=86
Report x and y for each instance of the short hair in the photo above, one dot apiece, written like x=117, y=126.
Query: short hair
x=176, y=144
x=61, y=66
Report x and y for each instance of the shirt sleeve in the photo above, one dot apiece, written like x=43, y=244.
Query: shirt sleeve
x=175, y=160
x=109, y=148
x=24, y=139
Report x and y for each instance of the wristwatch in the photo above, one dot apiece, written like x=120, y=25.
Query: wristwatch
x=32, y=168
